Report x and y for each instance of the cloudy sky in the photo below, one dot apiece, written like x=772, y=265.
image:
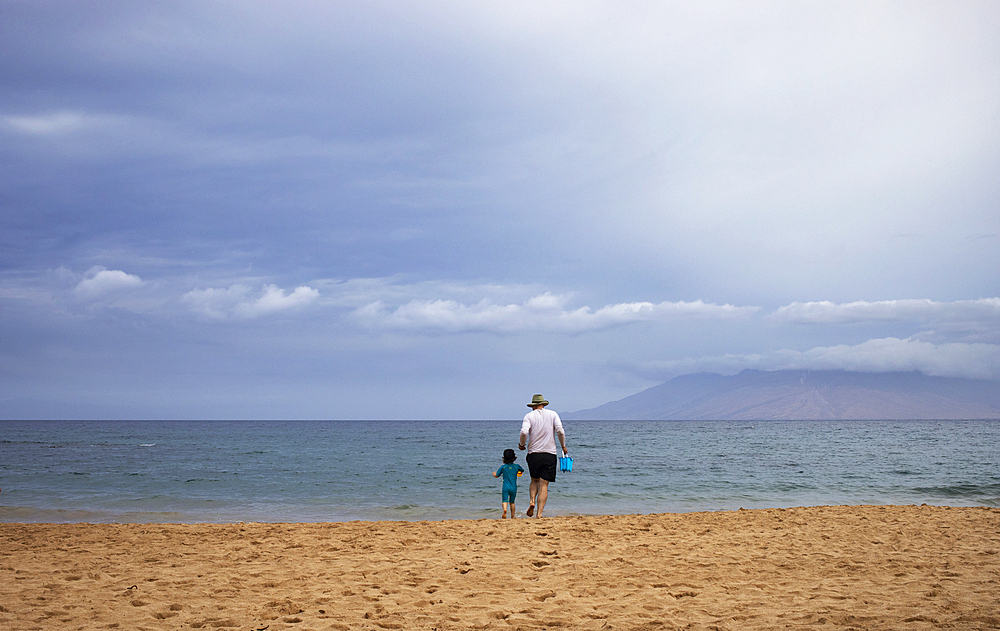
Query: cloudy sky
x=435, y=209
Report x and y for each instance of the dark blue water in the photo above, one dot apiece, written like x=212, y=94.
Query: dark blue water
x=224, y=471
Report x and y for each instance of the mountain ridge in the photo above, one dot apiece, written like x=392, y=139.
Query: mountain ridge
x=805, y=395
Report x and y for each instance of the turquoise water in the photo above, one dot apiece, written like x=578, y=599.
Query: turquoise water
x=227, y=471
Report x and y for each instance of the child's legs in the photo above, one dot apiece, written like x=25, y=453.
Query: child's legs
x=504, y=505
x=507, y=498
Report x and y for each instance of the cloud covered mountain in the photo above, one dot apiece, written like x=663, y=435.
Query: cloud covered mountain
x=797, y=394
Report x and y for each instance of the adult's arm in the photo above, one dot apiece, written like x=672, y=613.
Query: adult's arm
x=561, y=433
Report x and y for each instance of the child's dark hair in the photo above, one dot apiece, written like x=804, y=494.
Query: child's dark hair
x=509, y=456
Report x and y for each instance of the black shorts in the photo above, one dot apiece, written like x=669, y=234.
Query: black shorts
x=542, y=465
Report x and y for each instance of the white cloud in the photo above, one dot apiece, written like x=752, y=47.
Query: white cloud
x=215, y=302
x=102, y=281
x=275, y=300
x=46, y=124
x=958, y=321
x=360, y=292
x=545, y=312
x=235, y=302
x=827, y=312
x=974, y=361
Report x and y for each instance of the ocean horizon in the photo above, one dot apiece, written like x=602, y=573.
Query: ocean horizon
x=318, y=471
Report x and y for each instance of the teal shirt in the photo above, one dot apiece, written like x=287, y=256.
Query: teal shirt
x=509, y=473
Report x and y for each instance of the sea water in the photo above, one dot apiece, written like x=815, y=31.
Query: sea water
x=311, y=471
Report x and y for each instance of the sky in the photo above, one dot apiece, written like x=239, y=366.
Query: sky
x=435, y=209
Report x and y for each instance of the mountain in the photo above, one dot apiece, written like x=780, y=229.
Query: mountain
x=805, y=395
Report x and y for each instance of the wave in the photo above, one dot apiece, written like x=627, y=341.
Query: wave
x=32, y=515
x=961, y=490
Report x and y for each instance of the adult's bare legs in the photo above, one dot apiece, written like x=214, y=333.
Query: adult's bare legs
x=543, y=494
x=532, y=493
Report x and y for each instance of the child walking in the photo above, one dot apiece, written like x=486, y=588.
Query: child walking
x=510, y=472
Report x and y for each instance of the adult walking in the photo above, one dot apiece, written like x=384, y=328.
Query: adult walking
x=538, y=432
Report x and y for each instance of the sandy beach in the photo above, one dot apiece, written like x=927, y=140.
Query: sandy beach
x=849, y=567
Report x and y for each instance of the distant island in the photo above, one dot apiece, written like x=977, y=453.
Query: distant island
x=805, y=395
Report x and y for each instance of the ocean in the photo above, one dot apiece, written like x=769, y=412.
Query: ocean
x=317, y=471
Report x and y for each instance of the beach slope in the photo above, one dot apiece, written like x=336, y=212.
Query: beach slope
x=848, y=567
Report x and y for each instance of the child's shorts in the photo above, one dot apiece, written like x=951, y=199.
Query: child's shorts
x=509, y=495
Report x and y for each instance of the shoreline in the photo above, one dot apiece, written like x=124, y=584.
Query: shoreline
x=860, y=567
x=65, y=517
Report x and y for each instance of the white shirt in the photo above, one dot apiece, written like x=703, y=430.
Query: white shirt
x=541, y=426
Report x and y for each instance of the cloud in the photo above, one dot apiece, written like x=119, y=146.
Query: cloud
x=545, y=313
x=235, y=302
x=541, y=156
x=275, y=300
x=961, y=320
x=214, y=302
x=47, y=124
x=103, y=281
x=826, y=312
x=973, y=361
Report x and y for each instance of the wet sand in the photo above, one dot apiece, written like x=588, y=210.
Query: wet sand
x=846, y=567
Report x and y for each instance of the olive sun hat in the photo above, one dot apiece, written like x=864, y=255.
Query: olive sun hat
x=537, y=400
